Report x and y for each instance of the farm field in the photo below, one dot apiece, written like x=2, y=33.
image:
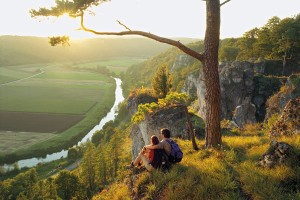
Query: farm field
x=116, y=65
x=52, y=104
x=37, y=122
x=10, y=142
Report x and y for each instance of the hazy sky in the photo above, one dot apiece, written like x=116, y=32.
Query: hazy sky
x=169, y=18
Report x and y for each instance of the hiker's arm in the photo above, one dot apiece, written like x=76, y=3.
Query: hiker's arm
x=152, y=146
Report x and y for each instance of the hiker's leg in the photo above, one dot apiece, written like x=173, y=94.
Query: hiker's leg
x=138, y=159
x=146, y=162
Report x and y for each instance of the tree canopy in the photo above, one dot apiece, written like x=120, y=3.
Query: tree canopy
x=161, y=83
x=277, y=39
x=72, y=8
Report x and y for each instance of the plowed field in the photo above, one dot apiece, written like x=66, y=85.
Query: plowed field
x=37, y=122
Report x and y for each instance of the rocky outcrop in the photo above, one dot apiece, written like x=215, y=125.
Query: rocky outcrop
x=243, y=93
x=180, y=61
x=236, y=86
x=244, y=113
x=172, y=118
x=236, y=80
x=264, y=87
x=277, y=102
x=277, y=154
x=289, y=121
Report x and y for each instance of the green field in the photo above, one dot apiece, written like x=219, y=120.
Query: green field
x=10, y=142
x=59, y=99
x=50, y=105
x=116, y=65
x=7, y=75
x=55, y=92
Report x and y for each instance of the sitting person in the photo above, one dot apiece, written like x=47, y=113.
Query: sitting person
x=150, y=158
x=163, y=144
x=169, y=146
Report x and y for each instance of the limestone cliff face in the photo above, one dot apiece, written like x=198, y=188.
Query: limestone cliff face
x=173, y=119
x=236, y=80
x=237, y=86
x=180, y=61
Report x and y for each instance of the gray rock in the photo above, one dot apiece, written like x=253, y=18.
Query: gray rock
x=173, y=119
x=277, y=154
x=245, y=113
x=236, y=81
x=259, y=100
x=180, y=61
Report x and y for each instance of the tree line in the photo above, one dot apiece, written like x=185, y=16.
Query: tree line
x=277, y=39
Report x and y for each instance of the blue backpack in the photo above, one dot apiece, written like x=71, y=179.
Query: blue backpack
x=176, y=153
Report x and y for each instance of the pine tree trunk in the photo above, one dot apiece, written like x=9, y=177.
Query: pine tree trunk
x=283, y=64
x=211, y=75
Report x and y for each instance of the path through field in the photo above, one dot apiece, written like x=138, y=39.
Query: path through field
x=22, y=79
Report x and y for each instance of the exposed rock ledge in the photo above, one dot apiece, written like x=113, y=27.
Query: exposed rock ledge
x=174, y=119
x=237, y=86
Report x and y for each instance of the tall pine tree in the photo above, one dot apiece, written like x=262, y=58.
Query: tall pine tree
x=161, y=83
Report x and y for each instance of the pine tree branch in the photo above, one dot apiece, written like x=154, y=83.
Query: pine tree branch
x=178, y=44
x=123, y=25
x=224, y=2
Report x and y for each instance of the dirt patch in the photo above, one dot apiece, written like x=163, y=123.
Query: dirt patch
x=37, y=122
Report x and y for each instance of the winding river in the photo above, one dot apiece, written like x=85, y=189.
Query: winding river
x=31, y=162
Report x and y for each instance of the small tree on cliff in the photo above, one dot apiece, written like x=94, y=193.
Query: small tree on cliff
x=209, y=57
x=161, y=83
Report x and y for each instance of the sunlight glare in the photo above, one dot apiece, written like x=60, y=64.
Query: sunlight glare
x=66, y=25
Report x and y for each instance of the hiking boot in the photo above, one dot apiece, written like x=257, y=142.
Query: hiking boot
x=130, y=166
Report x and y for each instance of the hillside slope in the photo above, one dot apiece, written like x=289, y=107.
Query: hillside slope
x=231, y=172
x=16, y=50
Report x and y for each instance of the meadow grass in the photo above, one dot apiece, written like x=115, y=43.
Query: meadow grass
x=230, y=173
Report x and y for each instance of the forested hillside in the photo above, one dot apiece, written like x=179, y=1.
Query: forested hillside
x=278, y=39
x=178, y=63
x=16, y=50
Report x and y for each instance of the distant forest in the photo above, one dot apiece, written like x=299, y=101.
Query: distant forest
x=16, y=50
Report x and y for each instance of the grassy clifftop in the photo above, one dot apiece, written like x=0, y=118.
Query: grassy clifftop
x=228, y=173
